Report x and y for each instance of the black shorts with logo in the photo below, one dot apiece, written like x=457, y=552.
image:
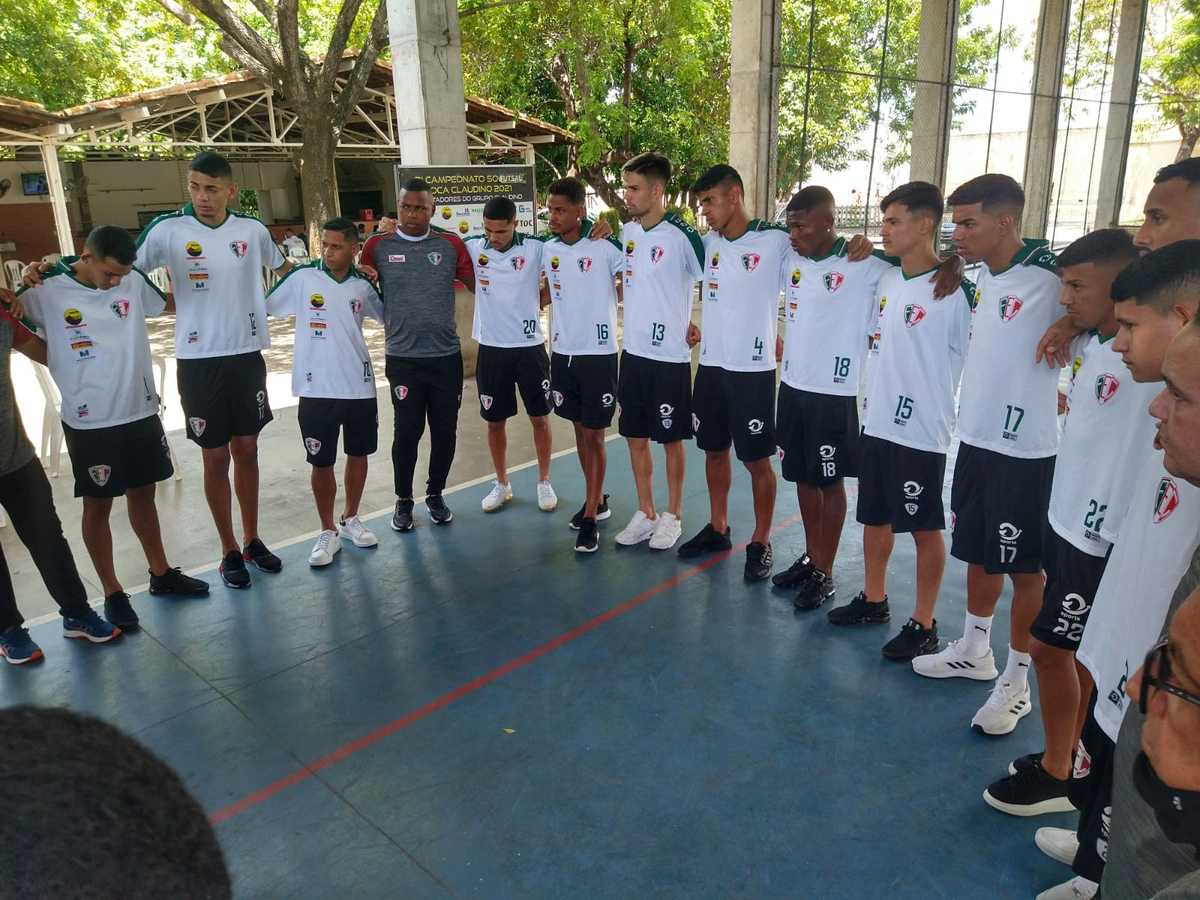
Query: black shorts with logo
x=584, y=388
x=224, y=397
x=817, y=436
x=998, y=509
x=501, y=371
x=900, y=486
x=106, y=462
x=1091, y=791
x=654, y=399
x=322, y=418
x=735, y=408
x=1072, y=579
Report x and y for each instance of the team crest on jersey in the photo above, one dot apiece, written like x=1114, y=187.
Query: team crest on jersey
x=656, y=253
x=554, y=263
x=239, y=248
x=751, y=261
x=100, y=474
x=585, y=264
x=355, y=305
x=833, y=281
x=401, y=391
x=120, y=307
x=312, y=445
x=193, y=248
x=197, y=425
x=1166, y=500
x=695, y=422
x=779, y=452
x=1009, y=307
x=317, y=301
x=795, y=277
x=518, y=263
x=483, y=260
x=435, y=258
x=485, y=401
x=73, y=317
x=1106, y=387
x=913, y=313
x=558, y=398
x=628, y=247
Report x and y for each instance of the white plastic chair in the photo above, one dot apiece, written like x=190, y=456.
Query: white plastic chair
x=52, y=432
x=159, y=279
x=160, y=363
x=12, y=273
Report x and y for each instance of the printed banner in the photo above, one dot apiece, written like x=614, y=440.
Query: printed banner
x=459, y=193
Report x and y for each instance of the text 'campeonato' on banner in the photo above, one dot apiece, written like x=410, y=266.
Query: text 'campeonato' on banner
x=459, y=193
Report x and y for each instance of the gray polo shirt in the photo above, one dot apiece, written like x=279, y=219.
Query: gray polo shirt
x=15, y=449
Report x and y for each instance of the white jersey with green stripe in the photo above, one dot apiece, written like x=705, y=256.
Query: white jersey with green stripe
x=507, y=291
x=583, y=294
x=217, y=279
x=662, y=265
x=97, y=345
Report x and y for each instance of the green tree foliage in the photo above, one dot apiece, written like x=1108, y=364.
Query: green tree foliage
x=1172, y=77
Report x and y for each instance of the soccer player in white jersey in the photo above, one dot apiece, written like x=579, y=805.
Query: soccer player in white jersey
x=663, y=260
x=1008, y=428
x=1102, y=404
x=91, y=312
x=333, y=377
x=909, y=418
x=512, y=347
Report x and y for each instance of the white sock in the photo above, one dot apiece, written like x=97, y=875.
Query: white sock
x=977, y=632
x=1016, y=671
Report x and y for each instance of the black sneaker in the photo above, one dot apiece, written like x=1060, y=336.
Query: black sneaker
x=815, y=591
x=402, y=518
x=256, y=552
x=119, y=612
x=174, y=581
x=859, y=610
x=796, y=574
x=233, y=570
x=1028, y=761
x=709, y=540
x=1031, y=792
x=602, y=513
x=439, y=512
x=913, y=640
x=758, y=561
x=588, y=540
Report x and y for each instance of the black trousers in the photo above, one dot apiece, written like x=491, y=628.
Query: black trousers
x=25, y=496
x=424, y=389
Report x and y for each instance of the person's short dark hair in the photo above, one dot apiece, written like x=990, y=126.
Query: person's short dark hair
x=1107, y=245
x=500, y=209
x=417, y=186
x=651, y=166
x=812, y=197
x=571, y=188
x=918, y=197
x=101, y=816
x=992, y=192
x=1187, y=169
x=112, y=242
x=344, y=227
x=722, y=176
x=214, y=165
x=1162, y=278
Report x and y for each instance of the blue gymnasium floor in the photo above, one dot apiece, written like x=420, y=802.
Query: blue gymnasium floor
x=478, y=711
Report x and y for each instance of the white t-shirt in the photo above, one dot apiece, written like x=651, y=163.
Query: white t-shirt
x=739, y=298
x=1136, y=443
x=662, y=265
x=295, y=243
x=507, y=286
x=97, y=345
x=832, y=308
x=331, y=358
x=1158, y=537
x=217, y=280
x=1009, y=403
x=912, y=380
x=583, y=294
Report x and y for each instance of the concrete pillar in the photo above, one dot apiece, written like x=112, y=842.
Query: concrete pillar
x=1048, y=57
x=1127, y=64
x=933, y=104
x=431, y=114
x=754, y=100
x=58, y=200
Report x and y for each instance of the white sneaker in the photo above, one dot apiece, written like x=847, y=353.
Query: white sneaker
x=639, y=529
x=666, y=533
x=1078, y=888
x=354, y=530
x=953, y=662
x=547, y=499
x=1057, y=843
x=501, y=494
x=1007, y=705
x=323, y=551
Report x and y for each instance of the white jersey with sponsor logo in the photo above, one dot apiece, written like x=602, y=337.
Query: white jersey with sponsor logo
x=583, y=294
x=1159, y=535
x=217, y=280
x=331, y=358
x=832, y=308
x=662, y=265
x=97, y=345
x=1009, y=403
x=507, y=286
x=1136, y=442
x=739, y=297
x=914, y=376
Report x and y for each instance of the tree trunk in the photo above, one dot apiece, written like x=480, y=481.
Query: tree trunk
x=1189, y=134
x=318, y=179
x=594, y=176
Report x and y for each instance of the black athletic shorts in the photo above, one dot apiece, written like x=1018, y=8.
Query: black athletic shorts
x=106, y=462
x=998, y=509
x=735, y=408
x=1072, y=578
x=224, y=397
x=584, y=388
x=1090, y=790
x=501, y=371
x=654, y=399
x=321, y=419
x=900, y=486
x=817, y=436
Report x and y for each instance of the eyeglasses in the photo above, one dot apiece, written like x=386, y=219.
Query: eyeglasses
x=1155, y=674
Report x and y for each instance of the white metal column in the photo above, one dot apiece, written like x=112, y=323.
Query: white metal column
x=58, y=200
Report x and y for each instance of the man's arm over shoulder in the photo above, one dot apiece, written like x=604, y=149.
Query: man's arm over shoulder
x=463, y=270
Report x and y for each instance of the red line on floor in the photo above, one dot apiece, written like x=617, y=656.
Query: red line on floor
x=379, y=734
